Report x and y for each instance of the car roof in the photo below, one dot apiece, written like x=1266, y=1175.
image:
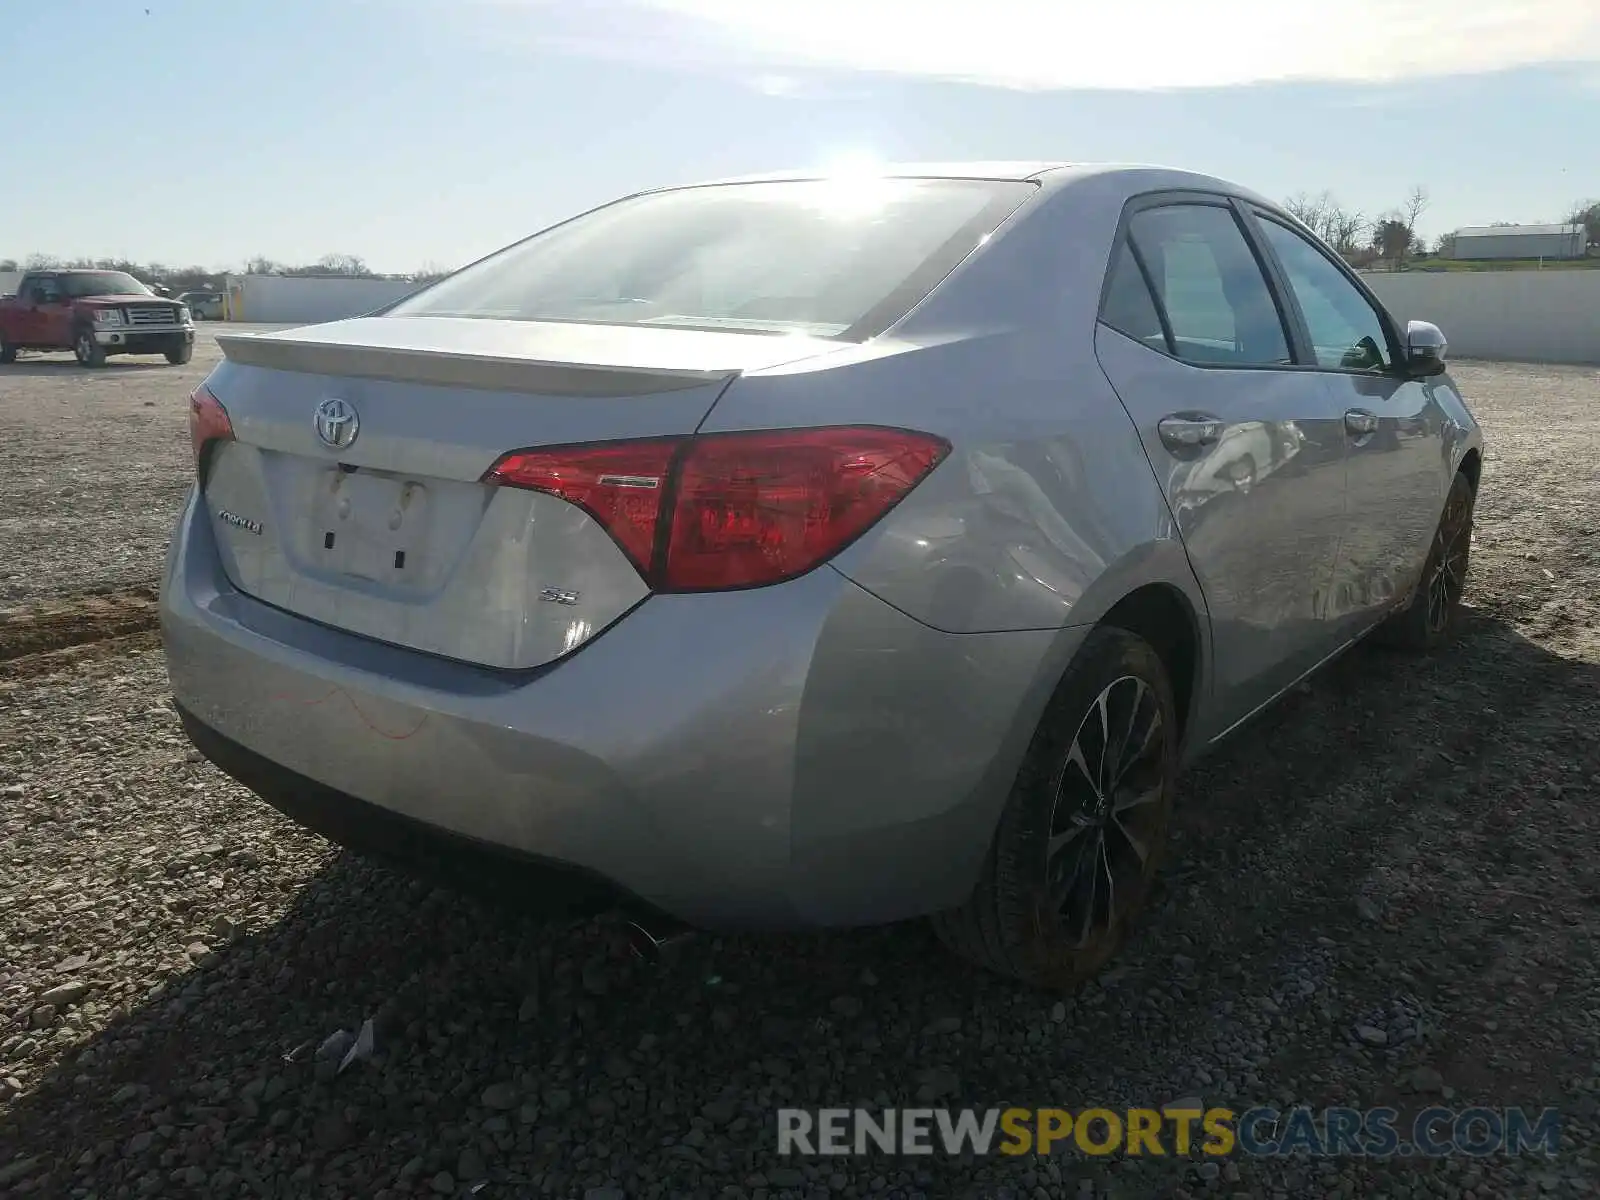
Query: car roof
x=1049, y=174
x=1002, y=170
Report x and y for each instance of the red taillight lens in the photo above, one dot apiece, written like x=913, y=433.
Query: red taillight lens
x=208, y=422
x=754, y=508
x=620, y=485
x=747, y=509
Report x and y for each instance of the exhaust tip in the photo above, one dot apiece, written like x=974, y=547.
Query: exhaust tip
x=649, y=935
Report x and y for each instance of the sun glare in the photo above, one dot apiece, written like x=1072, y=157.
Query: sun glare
x=852, y=184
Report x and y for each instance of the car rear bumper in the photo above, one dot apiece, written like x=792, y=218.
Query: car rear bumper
x=428, y=850
x=801, y=755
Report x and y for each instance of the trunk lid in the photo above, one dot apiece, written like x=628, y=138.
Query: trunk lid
x=390, y=533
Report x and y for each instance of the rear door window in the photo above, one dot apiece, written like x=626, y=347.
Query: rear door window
x=1208, y=282
x=1129, y=307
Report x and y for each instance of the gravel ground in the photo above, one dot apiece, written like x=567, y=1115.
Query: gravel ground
x=1411, y=851
x=96, y=464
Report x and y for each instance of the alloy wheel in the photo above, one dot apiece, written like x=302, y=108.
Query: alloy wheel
x=1107, y=818
x=1451, y=545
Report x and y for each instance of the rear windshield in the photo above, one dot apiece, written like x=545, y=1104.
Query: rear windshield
x=826, y=258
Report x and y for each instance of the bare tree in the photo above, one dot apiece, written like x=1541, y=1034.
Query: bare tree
x=1394, y=236
x=1345, y=229
x=1587, y=214
x=1340, y=227
x=1309, y=210
x=430, y=272
x=342, y=264
x=195, y=276
x=1416, y=204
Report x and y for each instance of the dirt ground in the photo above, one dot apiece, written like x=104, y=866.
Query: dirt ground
x=1385, y=891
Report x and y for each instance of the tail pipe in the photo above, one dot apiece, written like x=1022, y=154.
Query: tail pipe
x=651, y=933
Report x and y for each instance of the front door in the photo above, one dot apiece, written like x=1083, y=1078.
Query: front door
x=1397, y=471
x=30, y=310
x=1248, y=446
x=49, y=314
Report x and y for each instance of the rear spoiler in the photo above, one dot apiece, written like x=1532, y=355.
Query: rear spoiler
x=383, y=309
x=455, y=369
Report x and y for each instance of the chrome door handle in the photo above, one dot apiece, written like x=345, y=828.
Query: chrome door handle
x=1186, y=431
x=1360, y=422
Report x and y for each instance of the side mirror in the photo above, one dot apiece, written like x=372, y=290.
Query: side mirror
x=1425, y=349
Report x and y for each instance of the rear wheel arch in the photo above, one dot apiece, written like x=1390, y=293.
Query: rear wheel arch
x=1152, y=592
x=1159, y=614
x=1162, y=615
x=1014, y=921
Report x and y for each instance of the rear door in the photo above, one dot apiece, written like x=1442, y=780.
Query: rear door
x=1248, y=446
x=1397, y=465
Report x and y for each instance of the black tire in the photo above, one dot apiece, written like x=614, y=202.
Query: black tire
x=1012, y=924
x=1429, y=620
x=180, y=354
x=8, y=352
x=86, y=350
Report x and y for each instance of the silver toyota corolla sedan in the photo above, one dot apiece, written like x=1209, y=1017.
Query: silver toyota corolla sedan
x=798, y=551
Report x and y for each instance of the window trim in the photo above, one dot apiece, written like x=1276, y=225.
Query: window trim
x=1258, y=213
x=1297, y=345
x=1127, y=246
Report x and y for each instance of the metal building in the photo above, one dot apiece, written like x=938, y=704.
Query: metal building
x=1519, y=241
x=307, y=299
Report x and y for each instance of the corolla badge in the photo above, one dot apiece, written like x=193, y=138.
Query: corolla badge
x=337, y=422
x=238, y=522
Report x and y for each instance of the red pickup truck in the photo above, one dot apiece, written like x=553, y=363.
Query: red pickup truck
x=94, y=314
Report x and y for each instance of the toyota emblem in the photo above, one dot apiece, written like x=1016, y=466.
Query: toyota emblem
x=337, y=423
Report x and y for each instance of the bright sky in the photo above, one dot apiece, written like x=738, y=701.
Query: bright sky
x=429, y=132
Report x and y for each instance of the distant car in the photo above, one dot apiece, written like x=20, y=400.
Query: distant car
x=801, y=552
x=206, y=306
x=94, y=314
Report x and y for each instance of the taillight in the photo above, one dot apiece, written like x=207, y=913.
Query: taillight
x=208, y=422
x=732, y=510
x=619, y=484
x=754, y=508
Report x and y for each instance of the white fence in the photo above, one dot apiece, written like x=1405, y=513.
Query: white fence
x=308, y=299
x=1550, y=316
x=1520, y=316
